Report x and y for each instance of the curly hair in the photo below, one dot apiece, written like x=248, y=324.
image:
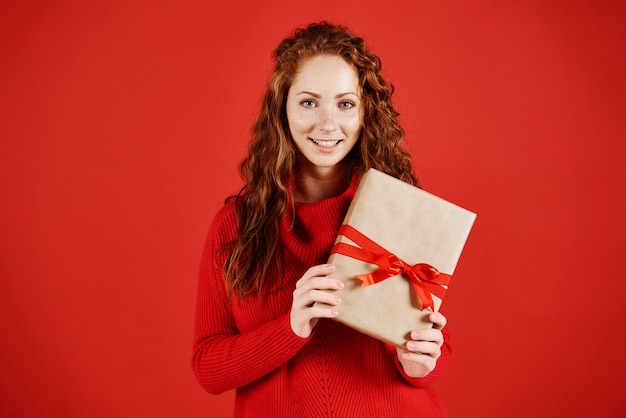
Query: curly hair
x=272, y=157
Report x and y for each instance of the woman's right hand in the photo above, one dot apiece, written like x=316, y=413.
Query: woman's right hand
x=310, y=289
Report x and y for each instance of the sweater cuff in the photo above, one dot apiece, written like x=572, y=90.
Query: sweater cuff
x=292, y=343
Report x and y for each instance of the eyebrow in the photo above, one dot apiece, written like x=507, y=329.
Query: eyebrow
x=317, y=96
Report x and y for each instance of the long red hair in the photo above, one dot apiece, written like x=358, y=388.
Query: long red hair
x=272, y=157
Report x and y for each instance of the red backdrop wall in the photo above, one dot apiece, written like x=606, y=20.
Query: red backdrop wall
x=121, y=126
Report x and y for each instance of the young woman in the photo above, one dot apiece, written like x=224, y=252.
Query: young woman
x=326, y=118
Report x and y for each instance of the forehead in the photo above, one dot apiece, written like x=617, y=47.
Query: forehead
x=326, y=71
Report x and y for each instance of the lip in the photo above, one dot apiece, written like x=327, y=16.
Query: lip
x=326, y=145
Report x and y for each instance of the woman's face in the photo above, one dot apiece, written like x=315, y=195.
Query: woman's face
x=324, y=110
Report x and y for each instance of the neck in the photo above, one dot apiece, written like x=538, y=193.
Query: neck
x=320, y=183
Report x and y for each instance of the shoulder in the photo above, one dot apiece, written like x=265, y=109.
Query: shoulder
x=224, y=222
x=222, y=232
x=225, y=213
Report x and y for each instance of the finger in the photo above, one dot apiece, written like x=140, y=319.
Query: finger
x=320, y=312
x=311, y=311
x=316, y=283
x=309, y=298
x=323, y=283
x=424, y=348
x=438, y=319
x=420, y=363
x=324, y=297
x=315, y=271
x=430, y=335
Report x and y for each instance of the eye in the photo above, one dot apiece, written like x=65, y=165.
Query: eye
x=308, y=103
x=346, y=105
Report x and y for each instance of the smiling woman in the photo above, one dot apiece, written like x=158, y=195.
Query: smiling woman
x=326, y=119
x=120, y=126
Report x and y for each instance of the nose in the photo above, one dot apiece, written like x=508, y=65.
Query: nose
x=328, y=119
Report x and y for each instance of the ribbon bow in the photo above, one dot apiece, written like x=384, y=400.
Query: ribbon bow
x=424, y=278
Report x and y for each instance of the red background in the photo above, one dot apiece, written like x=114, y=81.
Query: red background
x=121, y=126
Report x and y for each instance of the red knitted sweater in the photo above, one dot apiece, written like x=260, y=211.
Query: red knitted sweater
x=249, y=345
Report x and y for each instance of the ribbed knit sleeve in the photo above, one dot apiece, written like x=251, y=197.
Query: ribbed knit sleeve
x=224, y=358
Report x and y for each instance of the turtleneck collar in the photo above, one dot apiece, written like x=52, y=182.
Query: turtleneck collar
x=310, y=231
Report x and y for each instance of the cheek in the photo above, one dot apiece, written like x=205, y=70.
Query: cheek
x=355, y=126
x=298, y=123
x=291, y=121
x=292, y=116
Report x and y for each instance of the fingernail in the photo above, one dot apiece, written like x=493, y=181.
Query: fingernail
x=410, y=346
x=339, y=284
x=330, y=267
x=334, y=312
x=337, y=299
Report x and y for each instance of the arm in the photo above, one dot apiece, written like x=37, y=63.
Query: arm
x=224, y=358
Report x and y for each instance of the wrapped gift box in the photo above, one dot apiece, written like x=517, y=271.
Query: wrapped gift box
x=394, y=240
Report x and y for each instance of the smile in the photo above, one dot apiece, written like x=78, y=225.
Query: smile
x=326, y=144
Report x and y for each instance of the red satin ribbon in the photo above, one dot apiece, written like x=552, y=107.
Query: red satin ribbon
x=424, y=278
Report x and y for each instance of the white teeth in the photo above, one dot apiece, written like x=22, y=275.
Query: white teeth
x=325, y=144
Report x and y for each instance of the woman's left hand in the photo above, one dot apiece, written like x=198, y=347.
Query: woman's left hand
x=422, y=351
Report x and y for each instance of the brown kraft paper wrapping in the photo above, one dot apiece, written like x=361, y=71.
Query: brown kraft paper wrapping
x=416, y=226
